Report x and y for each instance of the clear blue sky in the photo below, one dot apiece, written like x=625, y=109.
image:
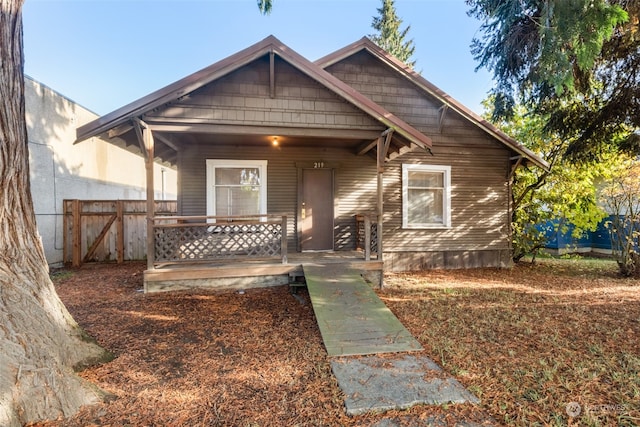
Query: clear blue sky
x=105, y=54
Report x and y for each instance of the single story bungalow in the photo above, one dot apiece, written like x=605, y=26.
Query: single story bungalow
x=354, y=156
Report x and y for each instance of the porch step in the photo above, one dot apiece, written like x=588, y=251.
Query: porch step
x=351, y=317
x=296, y=281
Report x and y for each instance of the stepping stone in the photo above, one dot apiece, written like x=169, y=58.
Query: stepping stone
x=378, y=384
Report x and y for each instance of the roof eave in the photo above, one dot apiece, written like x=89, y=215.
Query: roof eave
x=174, y=90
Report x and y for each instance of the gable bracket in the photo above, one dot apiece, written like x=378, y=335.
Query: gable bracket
x=515, y=165
x=443, y=112
x=384, y=140
x=137, y=126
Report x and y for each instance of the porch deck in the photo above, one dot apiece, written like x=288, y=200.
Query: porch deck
x=251, y=273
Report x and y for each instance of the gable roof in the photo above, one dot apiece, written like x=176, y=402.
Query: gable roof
x=446, y=100
x=213, y=72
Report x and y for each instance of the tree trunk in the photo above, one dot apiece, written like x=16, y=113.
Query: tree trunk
x=40, y=343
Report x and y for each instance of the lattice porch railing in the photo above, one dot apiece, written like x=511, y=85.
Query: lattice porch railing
x=197, y=239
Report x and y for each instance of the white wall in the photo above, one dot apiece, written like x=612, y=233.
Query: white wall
x=93, y=169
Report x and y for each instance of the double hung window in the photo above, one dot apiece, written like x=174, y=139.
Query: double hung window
x=426, y=196
x=236, y=187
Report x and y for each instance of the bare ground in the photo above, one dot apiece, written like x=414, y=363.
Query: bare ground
x=528, y=341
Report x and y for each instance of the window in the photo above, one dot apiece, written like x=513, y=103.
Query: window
x=236, y=187
x=426, y=194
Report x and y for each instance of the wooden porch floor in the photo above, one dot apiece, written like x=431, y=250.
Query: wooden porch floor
x=252, y=273
x=351, y=317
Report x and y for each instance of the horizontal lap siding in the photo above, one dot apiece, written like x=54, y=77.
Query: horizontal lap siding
x=243, y=98
x=479, y=168
x=479, y=200
x=355, y=182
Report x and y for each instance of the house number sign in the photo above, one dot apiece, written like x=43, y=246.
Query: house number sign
x=318, y=165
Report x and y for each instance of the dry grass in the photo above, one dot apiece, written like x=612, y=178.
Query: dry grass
x=531, y=340
x=527, y=341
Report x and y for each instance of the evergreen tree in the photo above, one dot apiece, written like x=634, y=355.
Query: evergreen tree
x=389, y=36
x=576, y=62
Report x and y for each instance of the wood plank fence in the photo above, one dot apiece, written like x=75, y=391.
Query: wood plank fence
x=108, y=230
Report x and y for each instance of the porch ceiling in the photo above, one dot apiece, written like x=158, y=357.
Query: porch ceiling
x=169, y=139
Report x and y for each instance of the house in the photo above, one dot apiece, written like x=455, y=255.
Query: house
x=280, y=156
x=61, y=170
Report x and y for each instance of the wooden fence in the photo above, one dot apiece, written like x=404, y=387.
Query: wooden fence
x=108, y=230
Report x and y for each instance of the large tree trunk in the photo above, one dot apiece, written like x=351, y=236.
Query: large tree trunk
x=40, y=344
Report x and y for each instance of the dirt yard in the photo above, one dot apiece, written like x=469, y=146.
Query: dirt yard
x=553, y=344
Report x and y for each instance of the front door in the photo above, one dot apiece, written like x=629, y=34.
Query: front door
x=316, y=210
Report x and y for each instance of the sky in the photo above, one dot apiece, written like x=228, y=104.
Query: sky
x=104, y=54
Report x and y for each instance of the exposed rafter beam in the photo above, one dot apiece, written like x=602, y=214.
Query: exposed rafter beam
x=164, y=152
x=366, y=147
x=186, y=126
x=120, y=130
x=167, y=140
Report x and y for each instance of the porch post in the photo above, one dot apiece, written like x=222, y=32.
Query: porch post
x=383, y=147
x=283, y=242
x=146, y=142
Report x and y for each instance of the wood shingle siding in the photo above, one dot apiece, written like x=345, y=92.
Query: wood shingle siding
x=243, y=98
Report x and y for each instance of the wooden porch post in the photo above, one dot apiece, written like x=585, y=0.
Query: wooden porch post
x=367, y=238
x=383, y=148
x=283, y=242
x=145, y=139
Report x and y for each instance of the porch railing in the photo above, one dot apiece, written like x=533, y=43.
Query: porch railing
x=366, y=236
x=180, y=239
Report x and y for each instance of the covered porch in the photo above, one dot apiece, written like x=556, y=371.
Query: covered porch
x=243, y=252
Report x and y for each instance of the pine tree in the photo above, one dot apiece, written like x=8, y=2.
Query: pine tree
x=389, y=36
x=577, y=62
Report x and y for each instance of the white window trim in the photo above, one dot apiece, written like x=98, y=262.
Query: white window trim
x=446, y=195
x=212, y=164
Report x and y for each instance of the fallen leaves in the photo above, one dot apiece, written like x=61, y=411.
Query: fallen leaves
x=527, y=341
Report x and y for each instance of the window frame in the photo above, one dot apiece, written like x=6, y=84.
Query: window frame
x=446, y=195
x=213, y=164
